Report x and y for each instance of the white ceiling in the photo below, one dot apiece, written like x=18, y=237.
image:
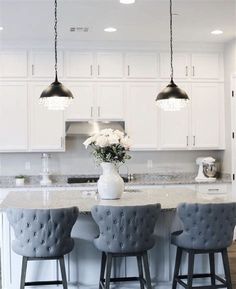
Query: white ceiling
x=147, y=20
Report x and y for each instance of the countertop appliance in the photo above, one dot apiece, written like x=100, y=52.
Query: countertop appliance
x=207, y=169
x=85, y=180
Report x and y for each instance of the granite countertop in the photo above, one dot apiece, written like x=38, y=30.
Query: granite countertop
x=169, y=198
x=138, y=180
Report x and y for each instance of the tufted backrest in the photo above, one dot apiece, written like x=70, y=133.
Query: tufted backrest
x=206, y=226
x=42, y=232
x=125, y=229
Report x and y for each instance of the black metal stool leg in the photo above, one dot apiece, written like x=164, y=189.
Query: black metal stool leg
x=63, y=272
x=108, y=271
x=23, y=272
x=140, y=271
x=177, y=266
x=190, y=268
x=102, y=270
x=226, y=268
x=212, y=268
x=147, y=271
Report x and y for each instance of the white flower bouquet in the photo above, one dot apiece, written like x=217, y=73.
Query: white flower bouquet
x=110, y=146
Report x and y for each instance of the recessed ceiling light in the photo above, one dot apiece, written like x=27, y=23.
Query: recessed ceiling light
x=217, y=32
x=127, y=1
x=110, y=29
x=1, y=28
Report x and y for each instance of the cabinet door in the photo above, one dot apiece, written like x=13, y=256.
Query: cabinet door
x=110, y=101
x=79, y=64
x=181, y=65
x=13, y=64
x=174, y=126
x=42, y=64
x=206, y=102
x=141, y=116
x=82, y=106
x=205, y=66
x=141, y=65
x=13, y=111
x=47, y=127
x=110, y=65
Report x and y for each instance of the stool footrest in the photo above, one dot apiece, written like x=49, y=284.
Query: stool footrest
x=41, y=283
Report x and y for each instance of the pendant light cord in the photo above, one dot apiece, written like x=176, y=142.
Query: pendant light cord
x=55, y=39
x=171, y=42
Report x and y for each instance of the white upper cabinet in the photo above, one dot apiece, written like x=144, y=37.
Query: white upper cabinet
x=141, y=116
x=14, y=121
x=13, y=64
x=175, y=126
x=182, y=67
x=42, y=64
x=206, y=116
x=205, y=66
x=79, y=64
x=110, y=101
x=82, y=106
x=141, y=65
x=47, y=129
x=110, y=65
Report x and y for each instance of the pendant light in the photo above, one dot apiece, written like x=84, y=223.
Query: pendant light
x=56, y=96
x=172, y=98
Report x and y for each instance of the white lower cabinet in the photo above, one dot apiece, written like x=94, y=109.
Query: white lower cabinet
x=47, y=127
x=14, y=120
x=207, y=116
x=141, y=116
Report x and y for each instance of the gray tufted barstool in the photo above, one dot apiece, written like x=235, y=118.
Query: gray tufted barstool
x=42, y=234
x=207, y=229
x=125, y=231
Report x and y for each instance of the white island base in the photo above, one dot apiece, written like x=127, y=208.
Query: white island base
x=83, y=264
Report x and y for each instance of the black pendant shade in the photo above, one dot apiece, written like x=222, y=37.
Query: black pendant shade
x=56, y=89
x=172, y=91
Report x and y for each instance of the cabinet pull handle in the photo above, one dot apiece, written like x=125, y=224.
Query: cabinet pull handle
x=99, y=111
x=193, y=70
x=194, y=140
x=186, y=70
x=98, y=69
x=32, y=69
x=91, y=111
x=187, y=140
x=91, y=70
x=128, y=70
x=62, y=142
x=212, y=190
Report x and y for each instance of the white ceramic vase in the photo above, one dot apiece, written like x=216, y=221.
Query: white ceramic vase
x=110, y=183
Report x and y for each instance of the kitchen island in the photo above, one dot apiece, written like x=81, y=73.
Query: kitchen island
x=83, y=263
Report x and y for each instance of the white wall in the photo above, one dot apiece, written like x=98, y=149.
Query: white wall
x=76, y=160
x=230, y=68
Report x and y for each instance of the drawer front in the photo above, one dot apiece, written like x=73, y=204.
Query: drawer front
x=213, y=189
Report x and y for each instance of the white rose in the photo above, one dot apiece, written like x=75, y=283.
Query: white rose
x=125, y=142
x=107, y=131
x=113, y=139
x=119, y=133
x=102, y=141
x=88, y=141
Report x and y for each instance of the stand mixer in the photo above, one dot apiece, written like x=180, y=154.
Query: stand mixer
x=207, y=169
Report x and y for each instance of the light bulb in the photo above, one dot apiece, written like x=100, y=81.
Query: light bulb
x=56, y=102
x=127, y=1
x=172, y=104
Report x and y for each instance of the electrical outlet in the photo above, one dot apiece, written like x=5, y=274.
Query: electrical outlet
x=27, y=166
x=149, y=164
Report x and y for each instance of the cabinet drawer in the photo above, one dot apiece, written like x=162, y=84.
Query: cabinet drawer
x=213, y=189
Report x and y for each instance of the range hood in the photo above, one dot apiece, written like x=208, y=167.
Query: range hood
x=89, y=128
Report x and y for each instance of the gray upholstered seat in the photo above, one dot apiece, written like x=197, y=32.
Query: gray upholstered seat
x=125, y=231
x=205, y=226
x=42, y=234
x=207, y=229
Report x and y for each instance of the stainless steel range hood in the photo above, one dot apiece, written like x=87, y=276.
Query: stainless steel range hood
x=89, y=128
